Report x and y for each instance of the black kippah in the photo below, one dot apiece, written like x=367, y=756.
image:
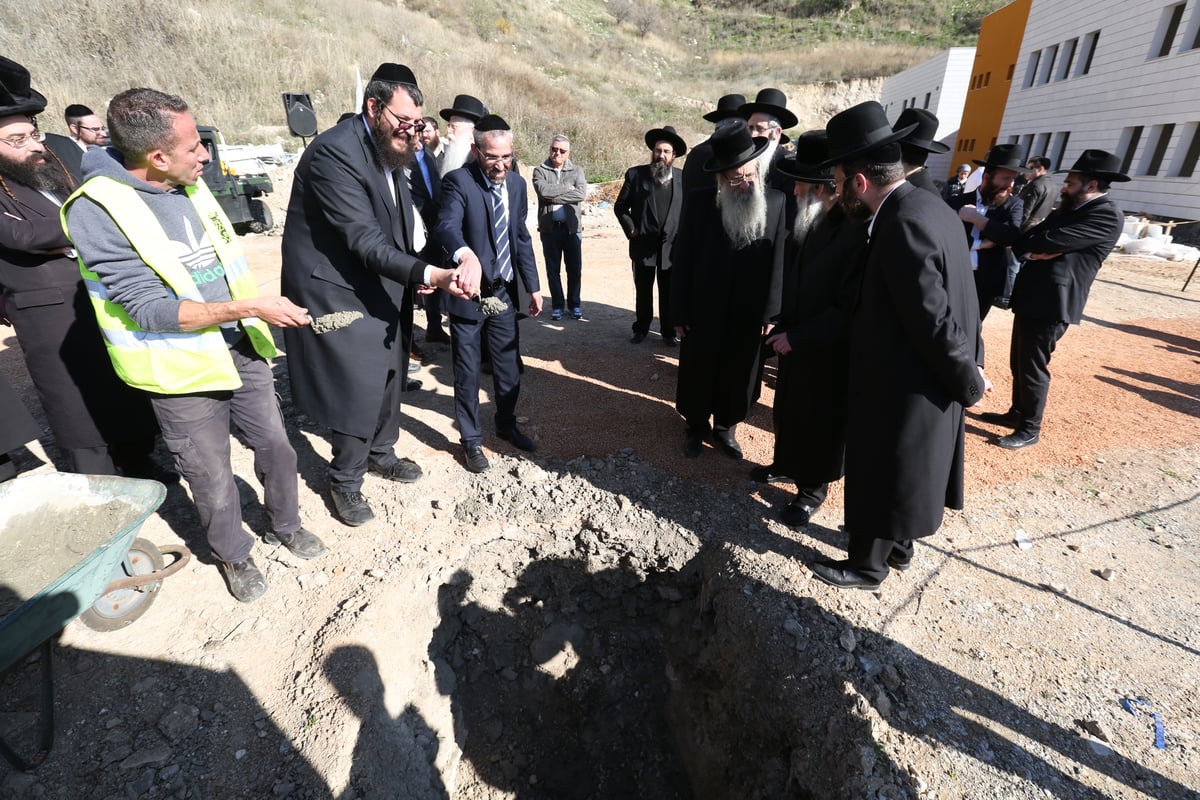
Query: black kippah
x=492, y=122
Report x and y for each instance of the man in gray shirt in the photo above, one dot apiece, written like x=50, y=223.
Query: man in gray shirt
x=561, y=189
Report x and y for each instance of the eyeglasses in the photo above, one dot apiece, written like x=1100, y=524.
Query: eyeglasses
x=559, y=150
x=490, y=159
x=89, y=128
x=763, y=127
x=21, y=142
x=403, y=125
x=739, y=179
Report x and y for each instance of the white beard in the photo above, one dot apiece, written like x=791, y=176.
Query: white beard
x=764, y=160
x=807, y=217
x=457, y=153
x=744, y=216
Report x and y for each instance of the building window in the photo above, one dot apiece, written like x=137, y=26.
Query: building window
x=1031, y=70
x=1168, y=27
x=1129, y=143
x=1011, y=69
x=1162, y=138
x=1048, y=58
x=1064, y=63
x=1187, y=167
x=1087, y=52
x=928, y=95
x=1027, y=143
x=1059, y=148
x=1041, y=143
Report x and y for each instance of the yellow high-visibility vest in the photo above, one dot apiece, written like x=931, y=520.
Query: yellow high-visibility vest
x=169, y=363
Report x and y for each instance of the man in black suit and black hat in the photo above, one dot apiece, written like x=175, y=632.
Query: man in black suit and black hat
x=726, y=288
x=917, y=145
x=1062, y=256
x=914, y=355
x=991, y=218
x=648, y=209
x=768, y=117
x=727, y=110
x=460, y=118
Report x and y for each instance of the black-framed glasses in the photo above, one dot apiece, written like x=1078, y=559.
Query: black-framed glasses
x=103, y=128
x=491, y=159
x=21, y=142
x=403, y=125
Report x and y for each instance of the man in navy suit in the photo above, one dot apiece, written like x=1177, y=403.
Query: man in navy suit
x=482, y=226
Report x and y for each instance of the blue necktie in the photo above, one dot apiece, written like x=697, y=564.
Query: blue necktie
x=500, y=225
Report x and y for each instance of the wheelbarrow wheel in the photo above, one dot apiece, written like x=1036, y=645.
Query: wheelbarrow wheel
x=122, y=607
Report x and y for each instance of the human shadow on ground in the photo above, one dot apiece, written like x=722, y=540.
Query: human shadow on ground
x=1178, y=396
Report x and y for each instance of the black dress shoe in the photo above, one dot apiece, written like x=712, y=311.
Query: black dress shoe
x=727, y=443
x=693, y=445
x=476, y=461
x=796, y=514
x=413, y=384
x=898, y=562
x=671, y=340
x=404, y=470
x=301, y=543
x=246, y=583
x=1001, y=302
x=437, y=336
x=767, y=474
x=1009, y=419
x=1018, y=439
x=351, y=507
x=519, y=440
x=637, y=338
x=839, y=574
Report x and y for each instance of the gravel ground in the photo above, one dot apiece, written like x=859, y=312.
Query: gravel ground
x=607, y=619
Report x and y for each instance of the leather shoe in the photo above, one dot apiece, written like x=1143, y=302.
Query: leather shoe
x=1009, y=419
x=437, y=336
x=796, y=514
x=1001, y=302
x=693, y=445
x=899, y=563
x=671, y=341
x=839, y=574
x=476, y=461
x=404, y=470
x=301, y=543
x=413, y=384
x=727, y=443
x=1018, y=439
x=351, y=507
x=637, y=338
x=519, y=440
x=246, y=582
x=415, y=353
x=767, y=474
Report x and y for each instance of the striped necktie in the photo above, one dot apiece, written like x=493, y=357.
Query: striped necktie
x=500, y=226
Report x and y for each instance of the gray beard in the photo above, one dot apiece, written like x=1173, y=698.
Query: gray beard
x=744, y=216
x=457, y=153
x=807, y=217
x=764, y=160
x=44, y=177
x=660, y=172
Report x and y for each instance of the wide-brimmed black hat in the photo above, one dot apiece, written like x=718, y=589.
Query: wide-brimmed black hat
x=465, y=105
x=773, y=102
x=394, y=73
x=733, y=146
x=1099, y=164
x=922, y=136
x=16, y=96
x=727, y=108
x=858, y=130
x=666, y=134
x=812, y=148
x=1004, y=156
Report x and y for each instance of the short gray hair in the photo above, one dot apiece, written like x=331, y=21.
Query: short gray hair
x=558, y=137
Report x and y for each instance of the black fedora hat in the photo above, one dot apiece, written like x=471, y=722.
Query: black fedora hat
x=860, y=129
x=812, y=148
x=922, y=136
x=773, y=102
x=727, y=108
x=1004, y=156
x=466, y=106
x=1099, y=164
x=733, y=146
x=16, y=96
x=394, y=73
x=666, y=134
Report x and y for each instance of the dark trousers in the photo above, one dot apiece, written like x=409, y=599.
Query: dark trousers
x=560, y=245
x=811, y=496
x=195, y=427
x=869, y=555
x=643, y=286
x=466, y=335
x=119, y=458
x=352, y=454
x=989, y=283
x=1033, y=342
x=433, y=312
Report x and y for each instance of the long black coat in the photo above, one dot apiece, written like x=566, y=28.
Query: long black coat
x=811, y=390
x=723, y=296
x=346, y=247
x=85, y=402
x=636, y=211
x=1056, y=290
x=16, y=424
x=914, y=350
x=1002, y=228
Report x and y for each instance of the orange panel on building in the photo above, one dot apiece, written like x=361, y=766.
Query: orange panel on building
x=991, y=78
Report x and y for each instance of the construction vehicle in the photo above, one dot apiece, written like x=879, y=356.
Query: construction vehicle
x=240, y=195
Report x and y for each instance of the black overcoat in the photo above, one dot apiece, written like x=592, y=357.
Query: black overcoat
x=636, y=211
x=914, y=351
x=85, y=402
x=1003, y=226
x=17, y=425
x=347, y=247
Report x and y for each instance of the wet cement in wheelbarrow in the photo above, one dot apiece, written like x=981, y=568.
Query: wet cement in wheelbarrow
x=42, y=544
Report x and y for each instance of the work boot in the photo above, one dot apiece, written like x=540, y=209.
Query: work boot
x=351, y=507
x=300, y=542
x=246, y=583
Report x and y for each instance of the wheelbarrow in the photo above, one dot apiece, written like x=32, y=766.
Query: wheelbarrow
x=70, y=550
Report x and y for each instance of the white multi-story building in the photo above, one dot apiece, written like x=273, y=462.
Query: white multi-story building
x=1120, y=76
x=939, y=86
